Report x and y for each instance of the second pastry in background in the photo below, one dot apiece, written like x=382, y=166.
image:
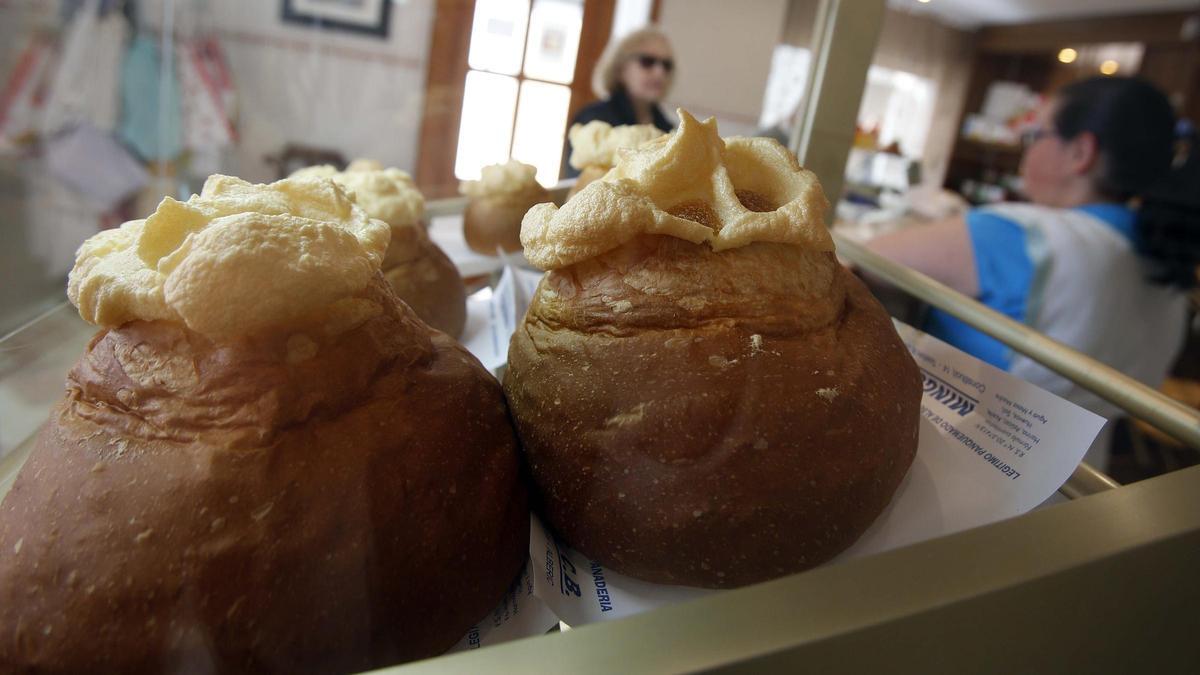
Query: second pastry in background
x=594, y=147
x=263, y=462
x=497, y=203
x=421, y=273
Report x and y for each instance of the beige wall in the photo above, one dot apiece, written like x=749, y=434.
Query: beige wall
x=941, y=54
x=923, y=47
x=356, y=94
x=359, y=95
x=724, y=53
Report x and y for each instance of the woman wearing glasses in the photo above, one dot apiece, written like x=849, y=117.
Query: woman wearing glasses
x=632, y=77
x=1078, y=262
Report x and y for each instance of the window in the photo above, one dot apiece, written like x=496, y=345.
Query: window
x=898, y=107
x=785, y=86
x=522, y=61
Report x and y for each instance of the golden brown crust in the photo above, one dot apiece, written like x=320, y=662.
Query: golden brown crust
x=662, y=282
x=425, y=278
x=274, y=504
x=711, y=419
x=494, y=221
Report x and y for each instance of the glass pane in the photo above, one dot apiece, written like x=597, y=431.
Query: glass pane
x=785, y=85
x=498, y=35
x=554, y=27
x=896, y=109
x=487, y=117
x=630, y=15
x=541, y=123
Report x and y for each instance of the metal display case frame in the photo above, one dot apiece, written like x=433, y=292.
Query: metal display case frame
x=1107, y=582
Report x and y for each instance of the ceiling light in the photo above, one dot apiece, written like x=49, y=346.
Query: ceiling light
x=924, y=2
x=1109, y=67
x=1067, y=55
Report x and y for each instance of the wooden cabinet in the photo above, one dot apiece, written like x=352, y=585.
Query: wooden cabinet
x=1028, y=54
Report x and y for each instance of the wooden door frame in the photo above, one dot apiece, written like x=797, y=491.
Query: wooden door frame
x=445, y=81
x=597, y=27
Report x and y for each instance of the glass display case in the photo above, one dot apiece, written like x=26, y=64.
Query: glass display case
x=113, y=111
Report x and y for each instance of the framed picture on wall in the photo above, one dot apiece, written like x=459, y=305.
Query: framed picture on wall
x=359, y=16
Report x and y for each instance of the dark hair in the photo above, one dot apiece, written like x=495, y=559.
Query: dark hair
x=1135, y=129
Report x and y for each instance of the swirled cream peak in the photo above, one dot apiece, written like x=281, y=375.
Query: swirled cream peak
x=688, y=171
x=596, y=143
x=388, y=194
x=236, y=259
x=510, y=178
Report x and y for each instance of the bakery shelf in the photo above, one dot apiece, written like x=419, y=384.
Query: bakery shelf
x=1104, y=584
x=975, y=596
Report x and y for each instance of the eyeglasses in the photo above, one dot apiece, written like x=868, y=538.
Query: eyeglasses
x=648, y=61
x=1035, y=134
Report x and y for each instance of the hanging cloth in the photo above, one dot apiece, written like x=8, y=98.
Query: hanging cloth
x=23, y=94
x=207, y=94
x=150, y=117
x=84, y=86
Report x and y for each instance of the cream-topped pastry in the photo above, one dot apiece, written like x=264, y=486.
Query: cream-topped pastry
x=388, y=194
x=510, y=178
x=233, y=260
x=597, y=143
x=690, y=168
x=498, y=201
x=263, y=460
x=704, y=396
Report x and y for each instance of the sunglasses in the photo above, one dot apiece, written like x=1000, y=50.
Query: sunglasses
x=647, y=61
x=1031, y=136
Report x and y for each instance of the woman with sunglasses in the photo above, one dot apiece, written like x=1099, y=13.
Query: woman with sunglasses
x=632, y=77
x=1078, y=262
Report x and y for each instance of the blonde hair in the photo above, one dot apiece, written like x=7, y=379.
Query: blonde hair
x=606, y=78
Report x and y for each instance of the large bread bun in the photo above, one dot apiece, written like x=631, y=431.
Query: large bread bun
x=709, y=412
x=336, y=490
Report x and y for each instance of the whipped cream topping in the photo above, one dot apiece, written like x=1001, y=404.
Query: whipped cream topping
x=236, y=259
x=388, y=194
x=675, y=172
x=596, y=143
x=508, y=179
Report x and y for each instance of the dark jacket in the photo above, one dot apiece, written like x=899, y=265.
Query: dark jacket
x=617, y=111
